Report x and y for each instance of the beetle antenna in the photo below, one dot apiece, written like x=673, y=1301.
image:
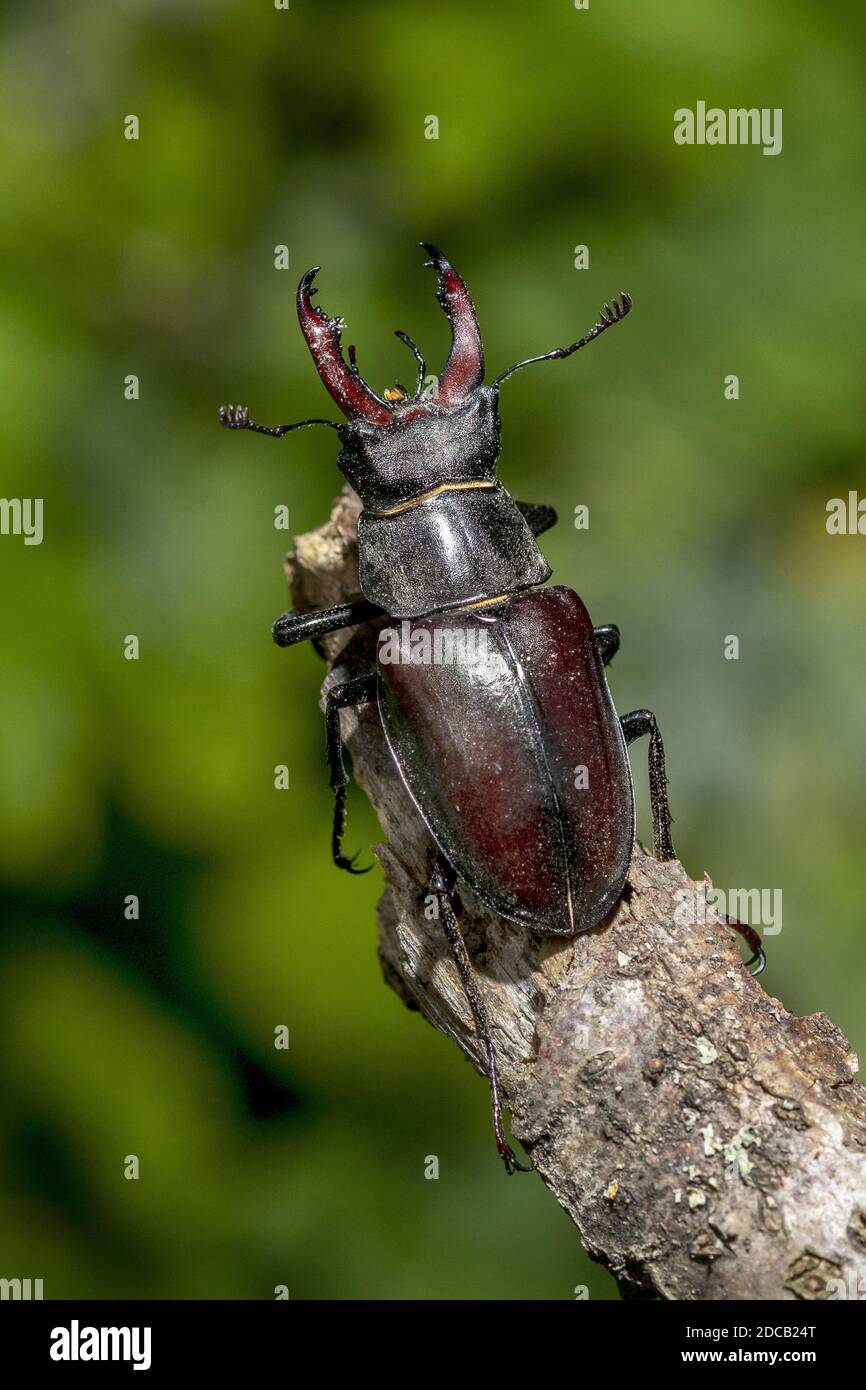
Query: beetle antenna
x=422, y=366
x=612, y=313
x=237, y=417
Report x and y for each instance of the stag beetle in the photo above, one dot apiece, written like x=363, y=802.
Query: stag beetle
x=488, y=747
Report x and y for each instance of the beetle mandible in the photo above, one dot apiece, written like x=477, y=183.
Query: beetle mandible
x=486, y=746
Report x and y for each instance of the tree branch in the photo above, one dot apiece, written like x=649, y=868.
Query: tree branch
x=707, y=1143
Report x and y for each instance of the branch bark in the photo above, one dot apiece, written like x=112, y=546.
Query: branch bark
x=707, y=1143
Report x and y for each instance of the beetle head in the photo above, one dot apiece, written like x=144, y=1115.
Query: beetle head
x=397, y=445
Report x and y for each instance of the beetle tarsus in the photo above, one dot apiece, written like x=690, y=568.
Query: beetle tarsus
x=638, y=724
x=510, y=1160
x=349, y=864
x=359, y=691
x=441, y=882
x=341, y=860
x=752, y=939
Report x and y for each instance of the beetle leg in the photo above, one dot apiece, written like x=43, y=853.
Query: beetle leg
x=607, y=637
x=538, y=517
x=636, y=725
x=441, y=883
x=751, y=938
x=304, y=627
x=359, y=691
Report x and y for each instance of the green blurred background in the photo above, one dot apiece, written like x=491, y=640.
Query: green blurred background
x=306, y=128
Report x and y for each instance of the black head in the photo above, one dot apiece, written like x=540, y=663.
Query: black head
x=398, y=446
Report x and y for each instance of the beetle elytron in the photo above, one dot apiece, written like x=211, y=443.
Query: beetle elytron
x=488, y=748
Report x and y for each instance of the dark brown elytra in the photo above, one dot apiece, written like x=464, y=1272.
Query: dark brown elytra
x=513, y=754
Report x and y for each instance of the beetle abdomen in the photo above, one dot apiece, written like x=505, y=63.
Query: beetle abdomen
x=505, y=733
